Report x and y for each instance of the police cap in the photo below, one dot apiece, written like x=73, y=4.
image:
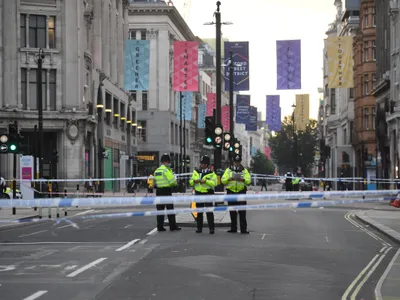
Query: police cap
x=205, y=160
x=165, y=158
x=237, y=158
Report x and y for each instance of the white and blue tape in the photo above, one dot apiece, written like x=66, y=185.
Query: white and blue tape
x=141, y=201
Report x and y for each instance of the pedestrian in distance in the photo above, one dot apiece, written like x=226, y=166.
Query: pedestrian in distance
x=165, y=180
x=236, y=179
x=204, y=181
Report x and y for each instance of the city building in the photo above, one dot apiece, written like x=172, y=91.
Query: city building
x=364, y=49
x=158, y=125
x=82, y=45
x=381, y=90
x=339, y=104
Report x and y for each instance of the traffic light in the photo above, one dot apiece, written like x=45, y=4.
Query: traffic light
x=227, y=141
x=209, y=131
x=13, y=138
x=237, y=148
x=218, y=135
x=4, y=143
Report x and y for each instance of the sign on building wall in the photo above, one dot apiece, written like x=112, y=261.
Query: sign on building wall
x=241, y=72
x=137, y=65
x=340, y=62
x=302, y=111
x=288, y=64
x=186, y=69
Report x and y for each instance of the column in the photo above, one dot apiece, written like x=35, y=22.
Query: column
x=28, y=99
x=153, y=74
x=47, y=91
x=105, y=41
x=113, y=43
x=121, y=45
x=47, y=30
x=10, y=54
x=97, y=40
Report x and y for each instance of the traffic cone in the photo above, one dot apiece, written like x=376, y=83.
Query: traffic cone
x=396, y=202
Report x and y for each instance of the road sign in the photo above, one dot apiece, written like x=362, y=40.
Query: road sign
x=3, y=148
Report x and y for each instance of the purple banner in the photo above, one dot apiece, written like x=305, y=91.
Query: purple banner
x=242, y=109
x=240, y=53
x=252, y=124
x=288, y=65
x=278, y=123
x=272, y=110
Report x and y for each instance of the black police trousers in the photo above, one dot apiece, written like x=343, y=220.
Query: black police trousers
x=160, y=218
x=210, y=215
x=233, y=213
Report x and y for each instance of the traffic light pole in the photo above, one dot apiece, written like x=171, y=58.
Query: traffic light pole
x=218, y=151
x=40, y=111
x=232, y=129
x=184, y=149
x=180, y=133
x=14, y=181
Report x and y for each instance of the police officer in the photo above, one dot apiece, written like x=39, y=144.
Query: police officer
x=164, y=181
x=236, y=179
x=204, y=180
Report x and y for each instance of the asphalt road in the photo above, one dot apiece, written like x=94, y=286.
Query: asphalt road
x=303, y=254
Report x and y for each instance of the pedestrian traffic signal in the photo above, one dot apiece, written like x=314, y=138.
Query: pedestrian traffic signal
x=227, y=141
x=209, y=131
x=218, y=135
x=13, y=138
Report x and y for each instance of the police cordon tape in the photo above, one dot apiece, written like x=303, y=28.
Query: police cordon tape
x=185, y=199
x=265, y=206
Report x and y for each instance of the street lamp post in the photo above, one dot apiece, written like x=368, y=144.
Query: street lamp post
x=232, y=131
x=218, y=151
x=40, y=112
x=294, y=141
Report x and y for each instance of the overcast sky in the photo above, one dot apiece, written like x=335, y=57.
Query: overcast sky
x=262, y=23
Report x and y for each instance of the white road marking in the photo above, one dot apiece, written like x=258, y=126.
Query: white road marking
x=84, y=212
x=378, y=288
x=33, y=233
x=7, y=268
x=65, y=226
x=127, y=226
x=88, y=266
x=55, y=243
x=351, y=286
x=152, y=232
x=327, y=239
x=88, y=220
x=35, y=295
x=127, y=245
x=69, y=268
x=361, y=284
x=263, y=236
x=142, y=242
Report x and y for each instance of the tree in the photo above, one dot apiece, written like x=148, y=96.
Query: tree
x=290, y=148
x=260, y=164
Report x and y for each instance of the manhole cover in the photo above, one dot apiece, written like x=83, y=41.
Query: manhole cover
x=15, y=254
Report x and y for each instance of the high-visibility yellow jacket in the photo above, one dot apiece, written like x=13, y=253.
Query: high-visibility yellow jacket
x=164, y=177
x=234, y=185
x=210, y=177
x=150, y=181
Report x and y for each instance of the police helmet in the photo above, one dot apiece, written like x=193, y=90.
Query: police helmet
x=237, y=158
x=165, y=158
x=205, y=160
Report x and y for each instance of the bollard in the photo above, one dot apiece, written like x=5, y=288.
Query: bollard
x=57, y=212
x=65, y=193
x=65, y=212
x=49, y=212
x=14, y=211
x=40, y=212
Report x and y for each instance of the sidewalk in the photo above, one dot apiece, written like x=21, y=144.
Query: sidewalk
x=20, y=214
x=388, y=223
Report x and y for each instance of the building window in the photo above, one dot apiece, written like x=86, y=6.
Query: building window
x=366, y=85
x=333, y=101
x=373, y=117
x=22, y=30
x=366, y=118
x=133, y=114
x=133, y=95
x=344, y=136
x=37, y=31
x=53, y=89
x=374, y=80
x=144, y=101
x=365, y=51
x=51, y=23
x=374, y=51
x=373, y=17
x=137, y=34
x=351, y=93
x=142, y=126
x=351, y=131
x=116, y=112
x=143, y=35
x=42, y=31
x=366, y=17
x=122, y=116
x=29, y=87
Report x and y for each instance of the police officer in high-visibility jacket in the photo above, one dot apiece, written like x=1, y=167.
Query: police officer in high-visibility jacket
x=236, y=179
x=204, y=181
x=165, y=180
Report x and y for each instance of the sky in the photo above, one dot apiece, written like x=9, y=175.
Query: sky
x=262, y=23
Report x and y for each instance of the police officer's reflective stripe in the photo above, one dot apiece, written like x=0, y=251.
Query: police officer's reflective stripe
x=160, y=178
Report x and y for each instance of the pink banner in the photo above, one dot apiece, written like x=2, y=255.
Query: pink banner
x=225, y=118
x=186, y=69
x=267, y=152
x=211, y=104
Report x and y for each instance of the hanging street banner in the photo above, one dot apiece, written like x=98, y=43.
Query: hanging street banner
x=187, y=104
x=211, y=104
x=272, y=108
x=278, y=124
x=226, y=118
x=252, y=125
x=340, y=62
x=201, y=116
x=242, y=109
x=137, y=65
x=302, y=111
x=288, y=65
x=240, y=53
x=186, y=68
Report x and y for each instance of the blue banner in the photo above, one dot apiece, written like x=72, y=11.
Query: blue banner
x=201, y=116
x=187, y=104
x=242, y=109
x=252, y=125
x=288, y=65
x=137, y=65
x=240, y=53
x=272, y=111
